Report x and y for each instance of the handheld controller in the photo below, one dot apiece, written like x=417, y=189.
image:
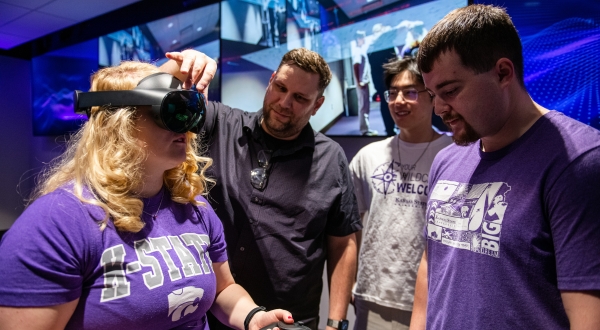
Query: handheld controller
x=284, y=326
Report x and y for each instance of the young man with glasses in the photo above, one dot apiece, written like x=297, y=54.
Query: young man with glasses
x=390, y=183
x=513, y=213
x=283, y=191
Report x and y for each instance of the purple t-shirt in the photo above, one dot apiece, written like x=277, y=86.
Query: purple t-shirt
x=508, y=230
x=159, y=278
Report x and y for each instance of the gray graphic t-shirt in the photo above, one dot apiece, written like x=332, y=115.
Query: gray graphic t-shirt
x=391, y=186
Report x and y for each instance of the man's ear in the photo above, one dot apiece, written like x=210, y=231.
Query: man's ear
x=505, y=70
x=270, y=81
x=318, y=104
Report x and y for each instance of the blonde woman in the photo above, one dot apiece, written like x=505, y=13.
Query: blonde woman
x=118, y=235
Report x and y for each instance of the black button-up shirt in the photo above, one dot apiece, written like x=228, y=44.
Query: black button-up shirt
x=277, y=237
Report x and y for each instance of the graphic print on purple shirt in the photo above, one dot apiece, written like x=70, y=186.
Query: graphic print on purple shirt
x=468, y=216
x=509, y=230
x=161, y=277
x=117, y=286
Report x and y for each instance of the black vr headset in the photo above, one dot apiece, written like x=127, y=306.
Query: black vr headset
x=173, y=108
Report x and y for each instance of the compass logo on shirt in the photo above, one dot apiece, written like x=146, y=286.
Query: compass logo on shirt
x=384, y=177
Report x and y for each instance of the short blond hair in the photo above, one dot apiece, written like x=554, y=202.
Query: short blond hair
x=103, y=157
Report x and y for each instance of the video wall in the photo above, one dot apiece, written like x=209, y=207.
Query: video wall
x=256, y=34
x=561, y=43
x=55, y=76
x=58, y=74
x=249, y=37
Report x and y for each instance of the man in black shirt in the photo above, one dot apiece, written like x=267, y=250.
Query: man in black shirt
x=283, y=191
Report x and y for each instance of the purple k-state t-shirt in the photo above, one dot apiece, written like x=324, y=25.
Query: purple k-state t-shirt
x=508, y=230
x=159, y=278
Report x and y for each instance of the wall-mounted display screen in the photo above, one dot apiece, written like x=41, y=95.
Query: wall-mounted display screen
x=55, y=76
x=561, y=44
x=150, y=41
x=254, y=41
x=197, y=29
x=249, y=37
x=59, y=73
x=353, y=8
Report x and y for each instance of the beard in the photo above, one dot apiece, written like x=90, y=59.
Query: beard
x=465, y=137
x=278, y=129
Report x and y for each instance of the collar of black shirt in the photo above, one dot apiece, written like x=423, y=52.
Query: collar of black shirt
x=306, y=139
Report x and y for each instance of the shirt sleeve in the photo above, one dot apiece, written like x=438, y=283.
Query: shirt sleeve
x=46, y=253
x=210, y=121
x=357, y=174
x=345, y=219
x=218, y=247
x=573, y=206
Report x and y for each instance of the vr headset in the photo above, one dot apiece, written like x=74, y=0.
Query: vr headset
x=173, y=109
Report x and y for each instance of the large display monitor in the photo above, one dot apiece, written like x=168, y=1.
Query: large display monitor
x=249, y=37
x=59, y=73
x=254, y=40
x=561, y=43
x=196, y=29
x=55, y=76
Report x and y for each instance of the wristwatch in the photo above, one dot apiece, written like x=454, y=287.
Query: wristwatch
x=340, y=325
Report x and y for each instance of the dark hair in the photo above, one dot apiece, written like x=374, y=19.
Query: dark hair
x=309, y=61
x=396, y=66
x=479, y=34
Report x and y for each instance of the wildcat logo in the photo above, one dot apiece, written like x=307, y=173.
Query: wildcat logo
x=184, y=301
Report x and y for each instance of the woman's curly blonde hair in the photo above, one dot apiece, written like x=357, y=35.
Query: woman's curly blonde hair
x=104, y=157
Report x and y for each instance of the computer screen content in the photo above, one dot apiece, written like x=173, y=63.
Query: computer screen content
x=256, y=34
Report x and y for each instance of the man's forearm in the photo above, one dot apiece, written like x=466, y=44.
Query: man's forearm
x=341, y=268
x=582, y=308
x=358, y=234
x=419, y=313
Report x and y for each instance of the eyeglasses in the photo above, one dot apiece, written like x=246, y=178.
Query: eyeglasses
x=408, y=94
x=260, y=175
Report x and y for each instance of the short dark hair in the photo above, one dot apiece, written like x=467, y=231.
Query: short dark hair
x=309, y=61
x=479, y=34
x=396, y=66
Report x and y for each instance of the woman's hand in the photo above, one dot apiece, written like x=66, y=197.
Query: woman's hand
x=263, y=319
x=192, y=67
